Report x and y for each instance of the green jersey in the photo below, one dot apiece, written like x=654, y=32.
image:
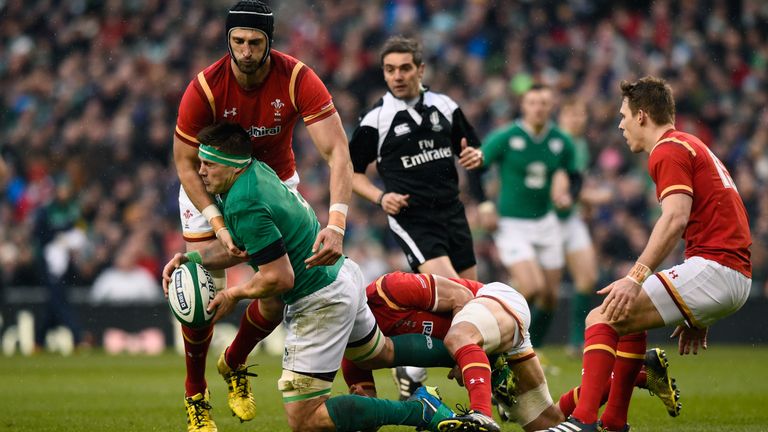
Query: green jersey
x=259, y=210
x=581, y=162
x=527, y=163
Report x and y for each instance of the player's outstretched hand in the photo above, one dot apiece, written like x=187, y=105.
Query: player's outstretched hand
x=223, y=304
x=172, y=265
x=455, y=373
x=470, y=157
x=226, y=239
x=327, y=248
x=690, y=338
x=393, y=202
x=621, y=294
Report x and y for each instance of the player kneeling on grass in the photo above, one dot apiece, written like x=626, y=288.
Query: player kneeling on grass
x=490, y=320
x=326, y=313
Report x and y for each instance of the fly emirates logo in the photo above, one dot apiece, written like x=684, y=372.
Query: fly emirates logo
x=428, y=154
x=261, y=131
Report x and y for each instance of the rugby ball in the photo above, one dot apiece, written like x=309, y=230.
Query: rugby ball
x=189, y=292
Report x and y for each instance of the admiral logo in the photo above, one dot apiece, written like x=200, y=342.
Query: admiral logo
x=260, y=131
x=183, y=304
x=427, y=327
x=232, y=112
x=402, y=129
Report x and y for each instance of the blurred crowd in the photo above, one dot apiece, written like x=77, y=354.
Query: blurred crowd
x=89, y=92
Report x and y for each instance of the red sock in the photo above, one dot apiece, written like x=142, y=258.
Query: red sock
x=476, y=371
x=569, y=399
x=599, y=356
x=253, y=328
x=355, y=375
x=196, y=342
x=630, y=355
x=642, y=379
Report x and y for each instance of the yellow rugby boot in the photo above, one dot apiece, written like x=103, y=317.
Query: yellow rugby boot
x=199, y=413
x=240, y=395
x=659, y=382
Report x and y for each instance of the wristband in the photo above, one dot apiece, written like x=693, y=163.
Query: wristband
x=381, y=197
x=639, y=273
x=339, y=207
x=194, y=256
x=337, y=229
x=211, y=212
x=217, y=223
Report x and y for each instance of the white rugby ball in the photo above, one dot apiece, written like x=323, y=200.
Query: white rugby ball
x=189, y=292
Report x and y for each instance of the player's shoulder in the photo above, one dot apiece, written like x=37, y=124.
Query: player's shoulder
x=216, y=70
x=505, y=131
x=677, y=143
x=443, y=102
x=370, y=117
x=284, y=62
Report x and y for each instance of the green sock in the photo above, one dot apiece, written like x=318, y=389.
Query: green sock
x=420, y=350
x=355, y=413
x=580, y=306
x=540, y=322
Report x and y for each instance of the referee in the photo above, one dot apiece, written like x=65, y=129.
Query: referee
x=414, y=134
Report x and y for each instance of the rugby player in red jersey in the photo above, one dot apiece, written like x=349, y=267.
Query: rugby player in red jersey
x=266, y=92
x=700, y=202
x=418, y=312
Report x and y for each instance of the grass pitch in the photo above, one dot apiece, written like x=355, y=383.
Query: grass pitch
x=725, y=389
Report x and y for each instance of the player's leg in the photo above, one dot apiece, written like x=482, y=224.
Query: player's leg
x=197, y=234
x=461, y=248
x=549, y=253
x=440, y=266
x=305, y=394
x=581, y=261
x=534, y=409
x=259, y=320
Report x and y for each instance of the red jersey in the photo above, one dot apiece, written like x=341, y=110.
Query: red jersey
x=268, y=112
x=718, y=228
x=404, y=303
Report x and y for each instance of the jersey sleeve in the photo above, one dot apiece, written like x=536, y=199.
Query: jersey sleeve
x=194, y=114
x=462, y=129
x=407, y=291
x=363, y=146
x=671, y=168
x=494, y=146
x=311, y=99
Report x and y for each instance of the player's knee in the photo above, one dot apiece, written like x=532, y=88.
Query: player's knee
x=271, y=308
x=595, y=317
x=461, y=334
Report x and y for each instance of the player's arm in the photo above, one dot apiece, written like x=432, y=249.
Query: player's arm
x=676, y=210
x=451, y=295
x=213, y=256
x=422, y=291
x=331, y=141
x=273, y=278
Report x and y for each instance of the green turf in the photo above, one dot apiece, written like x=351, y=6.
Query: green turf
x=725, y=389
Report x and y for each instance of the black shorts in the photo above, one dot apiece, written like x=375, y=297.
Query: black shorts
x=424, y=234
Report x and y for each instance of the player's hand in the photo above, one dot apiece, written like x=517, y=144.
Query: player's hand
x=359, y=390
x=172, y=265
x=223, y=304
x=226, y=239
x=455, y=373
x=690, y=338
x=393, y=202
x=621, y=295
x=470, y=157
x=487, y=216
x=327, y=248
x=562, y=201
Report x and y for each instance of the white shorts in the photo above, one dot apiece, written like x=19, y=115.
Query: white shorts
x=320, y=325
x=194, y=226
x=698, y=292
x=513, y=302
x=575, y=233
x=530, y=239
